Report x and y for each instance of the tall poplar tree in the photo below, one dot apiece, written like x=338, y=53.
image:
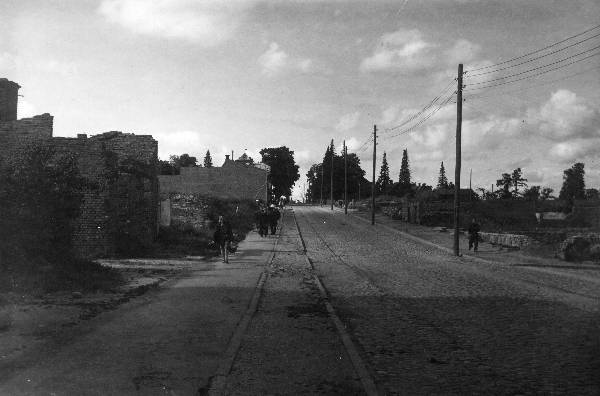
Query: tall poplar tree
x=384, y=182
x=404, y=179
x=442, y=179
x=208, y=160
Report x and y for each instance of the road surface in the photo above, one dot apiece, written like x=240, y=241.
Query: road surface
x=429, y=323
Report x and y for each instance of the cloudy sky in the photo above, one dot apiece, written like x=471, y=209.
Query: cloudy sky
x=246, y=74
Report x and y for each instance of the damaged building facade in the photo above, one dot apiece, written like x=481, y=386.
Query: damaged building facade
x=119, y=208
x=184, y=196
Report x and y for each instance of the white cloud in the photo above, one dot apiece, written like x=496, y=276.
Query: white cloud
x=275, y=60
x=565, y=116
x=400, y=50
x=463, y=51
x=347, y=121
x=574, y=150
x=25, y=109
x=207, y=23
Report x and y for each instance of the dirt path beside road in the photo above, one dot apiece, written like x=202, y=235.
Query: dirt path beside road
x=167, y=341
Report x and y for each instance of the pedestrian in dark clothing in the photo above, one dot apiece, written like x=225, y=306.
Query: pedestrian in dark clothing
x=223, y=236
x=262, y=220
x=274, y=216
x=474, y=235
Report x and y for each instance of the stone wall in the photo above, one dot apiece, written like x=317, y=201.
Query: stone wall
x=120, y=200
x=16, y=136
x=120, y=206
x=231, y=181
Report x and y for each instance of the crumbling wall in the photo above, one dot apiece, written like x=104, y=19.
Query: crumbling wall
x=16, y=136
x=119, y=210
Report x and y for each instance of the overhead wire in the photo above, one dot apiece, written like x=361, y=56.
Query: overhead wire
x=536, y=68
x=423, y=110
x=527, y=77
x=532, y=59
x=534, y=52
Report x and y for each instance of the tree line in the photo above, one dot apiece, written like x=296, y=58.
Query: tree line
x=510, y=185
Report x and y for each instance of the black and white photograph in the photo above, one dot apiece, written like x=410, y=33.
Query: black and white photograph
x=299, y=197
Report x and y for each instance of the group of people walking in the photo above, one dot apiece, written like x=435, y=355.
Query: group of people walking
x=267, y=218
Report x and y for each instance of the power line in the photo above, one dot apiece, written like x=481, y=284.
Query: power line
x=422, y=121
x=420, y=112
x=536, y=68
x=534, y=75
x=534, y=52
x=477, y=96
x=532, y=59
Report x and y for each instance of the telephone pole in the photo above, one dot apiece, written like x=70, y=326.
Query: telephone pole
x=345, y=179
x=331, y=178
x=373, y=183
x=458, y=159
x=321, y=200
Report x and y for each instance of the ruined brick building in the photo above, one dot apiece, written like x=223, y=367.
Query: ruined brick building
x=119, y=209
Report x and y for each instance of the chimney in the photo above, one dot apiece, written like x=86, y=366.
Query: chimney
x=226, y=157
x=9, y=91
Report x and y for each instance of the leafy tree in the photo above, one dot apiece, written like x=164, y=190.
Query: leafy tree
x=532, y=193
x=383, y=183
x=208, y=160
x=319, y=175
x=518, y=181
x=573, y=184
x=505, y=183
x=183, y=160
x=284, y=171
x=546, y=193
x=442, y=179
x=592, y=193
x=167, y=168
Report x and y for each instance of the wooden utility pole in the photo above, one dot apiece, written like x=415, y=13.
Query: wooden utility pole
x=345, y=179
x=322, y=177
x=373, y=184
x=470, y=179
x=458, y=160
x=331, y=178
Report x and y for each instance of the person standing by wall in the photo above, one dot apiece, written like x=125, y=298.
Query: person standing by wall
x=474, y=235
x=223, y=236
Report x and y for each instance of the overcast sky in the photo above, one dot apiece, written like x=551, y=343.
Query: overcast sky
x=246, y=74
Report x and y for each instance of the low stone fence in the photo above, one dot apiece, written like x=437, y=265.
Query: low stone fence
x=507, y=240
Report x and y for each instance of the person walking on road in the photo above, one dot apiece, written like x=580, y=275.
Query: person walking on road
x=474, y=235
x=223, y=237
x=262, y=222
x=274, y=216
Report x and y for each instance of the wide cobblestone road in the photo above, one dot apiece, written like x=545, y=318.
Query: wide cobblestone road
x=430, y=323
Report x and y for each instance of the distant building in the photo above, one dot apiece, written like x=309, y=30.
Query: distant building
x=236, y=179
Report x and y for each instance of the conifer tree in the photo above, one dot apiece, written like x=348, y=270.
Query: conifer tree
x=384, y=182
x=442, y=179
x=208, y=160
x=404, y=171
